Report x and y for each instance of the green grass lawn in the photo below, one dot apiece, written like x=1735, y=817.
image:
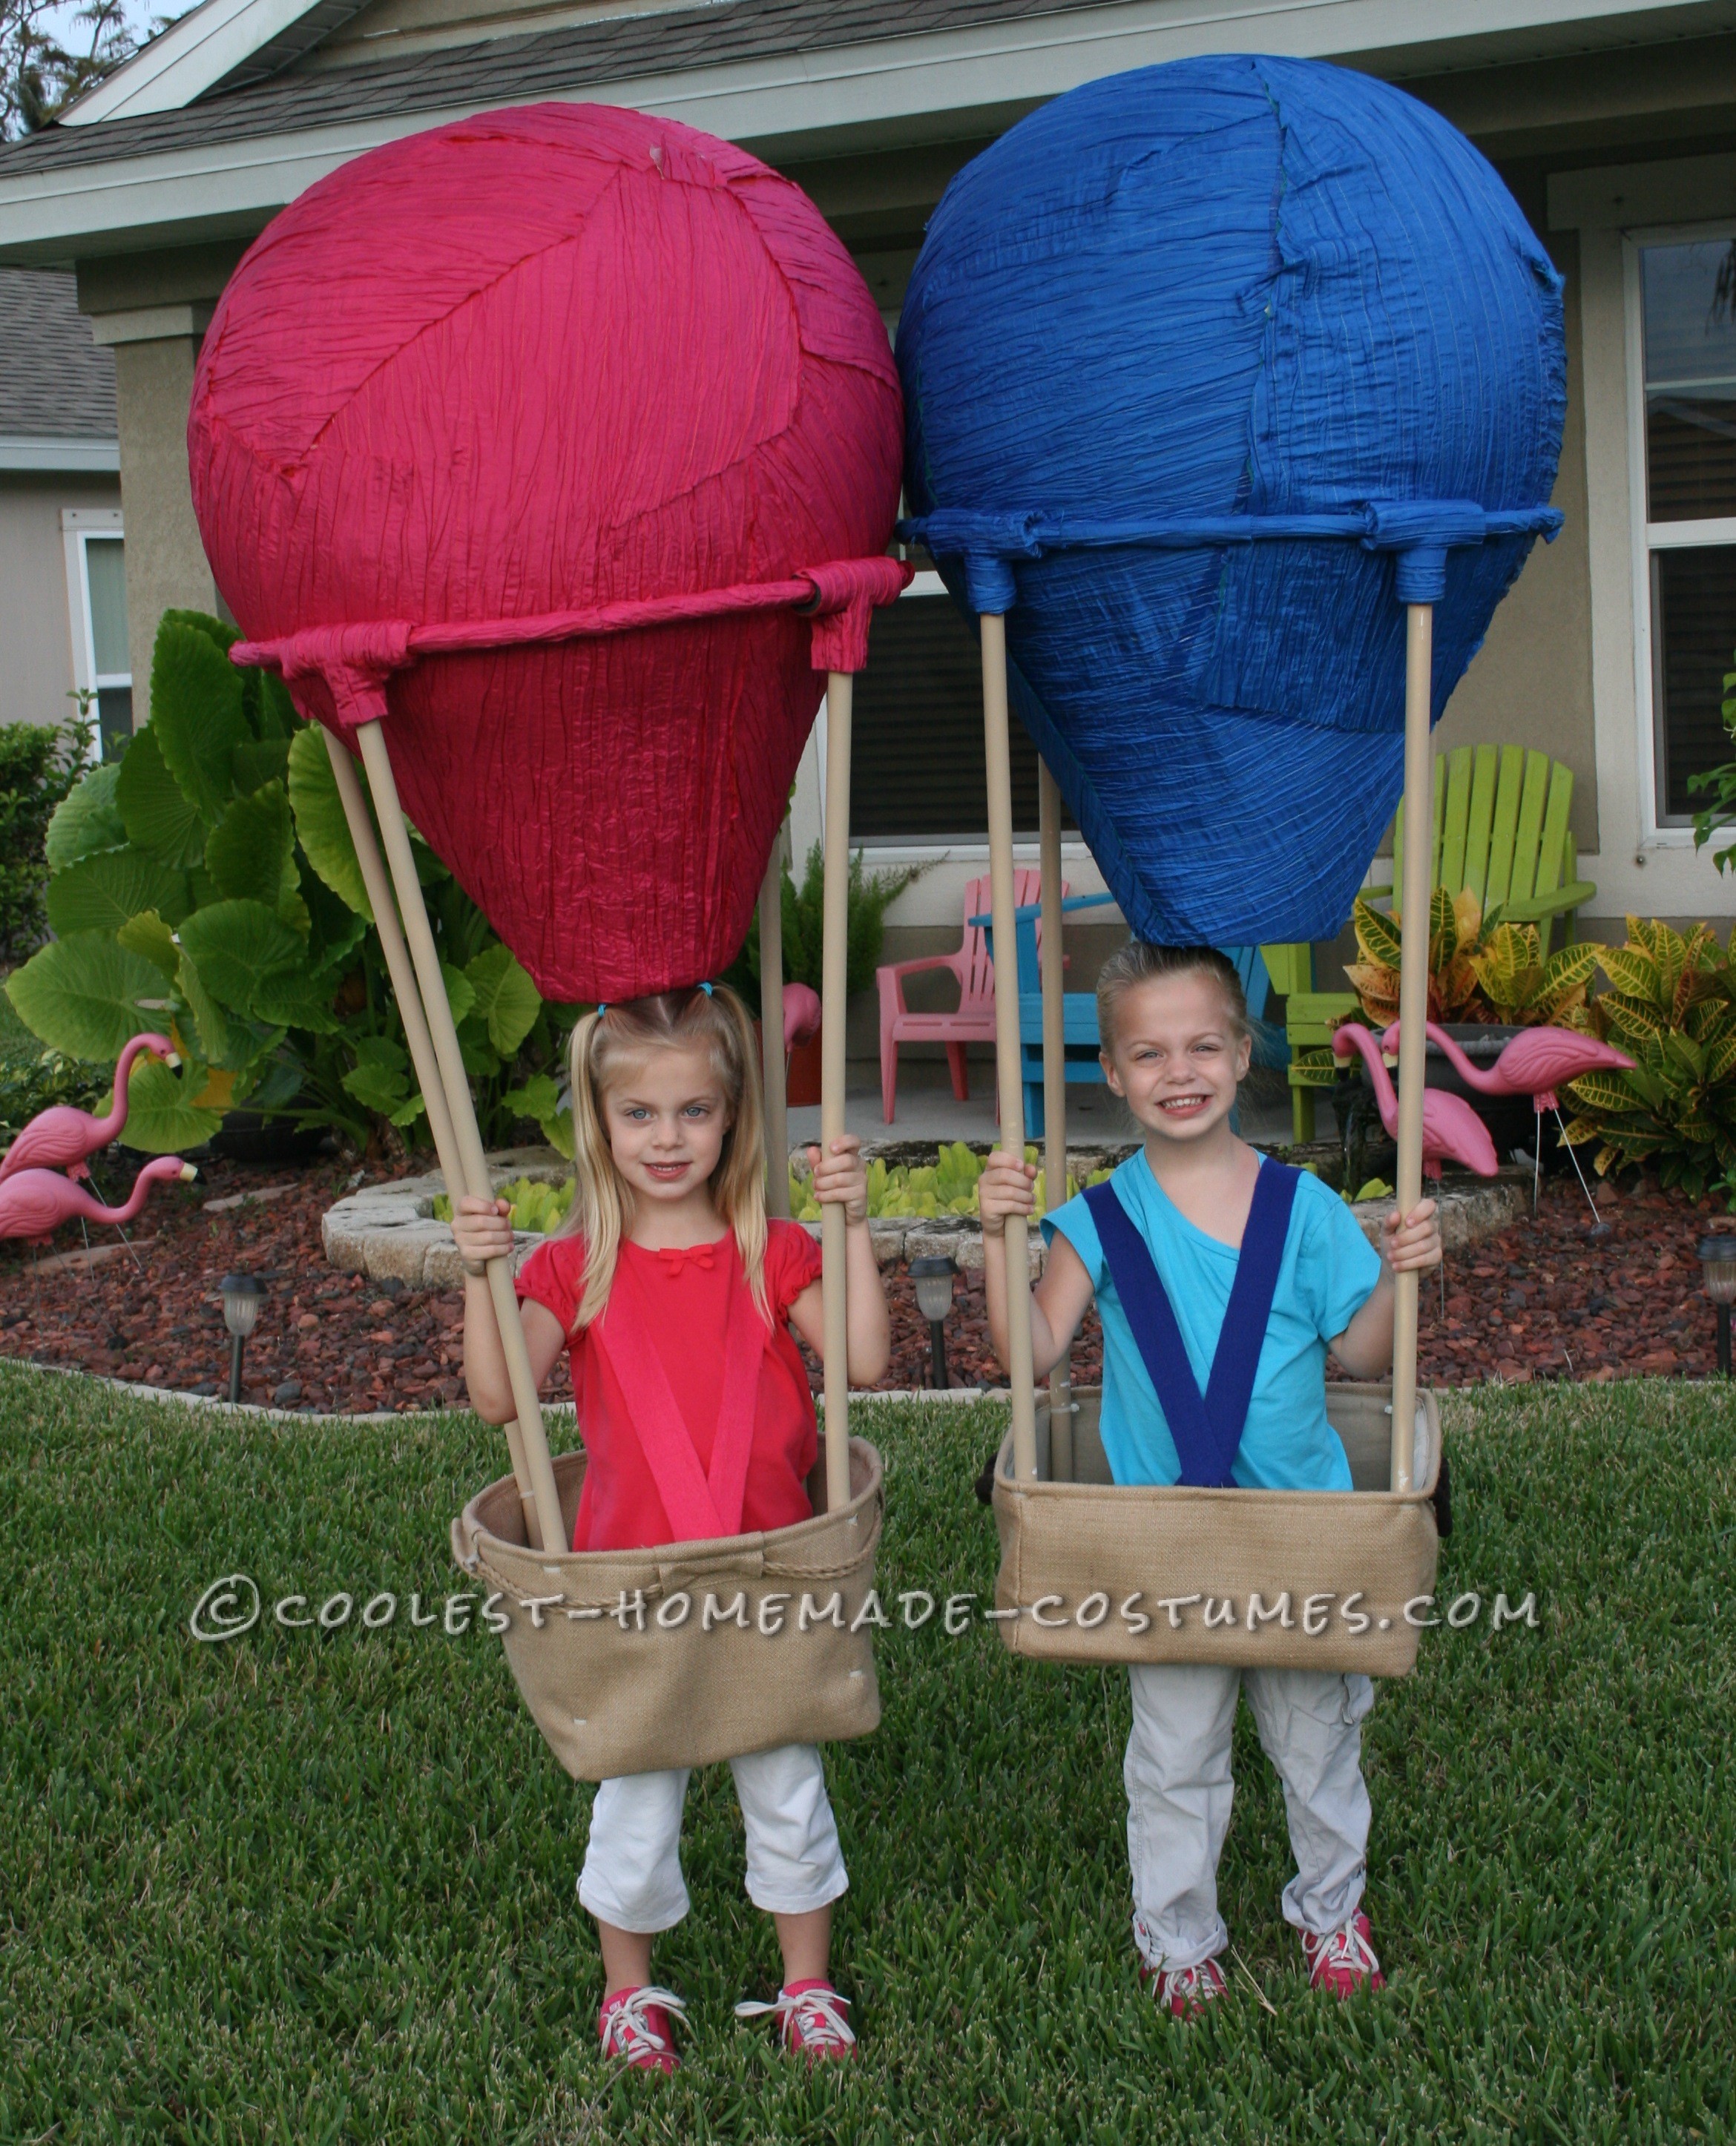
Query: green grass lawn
x=307, y=1887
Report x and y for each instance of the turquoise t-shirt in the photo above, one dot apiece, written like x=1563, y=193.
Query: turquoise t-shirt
x=1328, y=1273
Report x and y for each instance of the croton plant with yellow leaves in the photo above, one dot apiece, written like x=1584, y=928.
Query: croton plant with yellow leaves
x=1480, y=968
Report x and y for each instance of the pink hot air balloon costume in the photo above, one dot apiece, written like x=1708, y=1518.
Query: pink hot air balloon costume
x=552, y=458
x=477, y=411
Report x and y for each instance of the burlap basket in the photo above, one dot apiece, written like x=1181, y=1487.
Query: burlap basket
x=616, y=1690
x=1291, y=1580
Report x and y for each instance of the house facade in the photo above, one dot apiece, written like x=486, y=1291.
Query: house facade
x=62, y=551
x=1613, y=123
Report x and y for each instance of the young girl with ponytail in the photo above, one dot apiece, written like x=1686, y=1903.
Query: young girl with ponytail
x=669, y=1214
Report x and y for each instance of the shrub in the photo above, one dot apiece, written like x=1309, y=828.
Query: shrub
x=946, y=1186
x=1480, y=968
x=207, y=885
x=1672, y=1007
x=871, y=895
x=39, y=764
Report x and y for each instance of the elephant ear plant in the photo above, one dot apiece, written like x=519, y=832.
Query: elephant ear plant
x=207, y=883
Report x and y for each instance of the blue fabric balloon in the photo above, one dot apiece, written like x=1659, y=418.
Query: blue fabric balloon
x=1209, y=369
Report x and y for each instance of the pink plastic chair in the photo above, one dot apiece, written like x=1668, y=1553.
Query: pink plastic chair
x=974, y=1022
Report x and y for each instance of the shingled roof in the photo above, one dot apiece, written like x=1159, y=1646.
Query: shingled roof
x=504, y=70
x=55, y=383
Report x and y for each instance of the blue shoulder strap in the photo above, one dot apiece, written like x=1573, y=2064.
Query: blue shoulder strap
x=1207, y=1428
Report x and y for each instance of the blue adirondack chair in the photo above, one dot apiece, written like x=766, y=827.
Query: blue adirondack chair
x=1078, y=1009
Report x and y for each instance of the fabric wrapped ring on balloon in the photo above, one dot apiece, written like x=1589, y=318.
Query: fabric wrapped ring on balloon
x=552, y=458
x=1234, y=390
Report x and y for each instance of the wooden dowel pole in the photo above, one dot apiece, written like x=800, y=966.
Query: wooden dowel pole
x=1054, y=1090
x=1008, y=1069
x=471, y=1161
x=405, y=990
x=834, y=965
x=1413, y=1011
x=774, y=1078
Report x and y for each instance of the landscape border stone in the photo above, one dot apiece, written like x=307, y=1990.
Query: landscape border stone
x=387, y=1231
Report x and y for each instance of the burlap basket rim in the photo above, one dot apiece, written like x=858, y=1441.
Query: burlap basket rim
x=773, y=1553
x=1318, y=1500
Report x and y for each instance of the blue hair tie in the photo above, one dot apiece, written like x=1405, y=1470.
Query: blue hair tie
x=603, y=1007
x=706, y=989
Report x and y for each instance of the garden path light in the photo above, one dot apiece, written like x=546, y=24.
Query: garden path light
x=242, y=1295
x=934, y=1276
x=1718, y=1260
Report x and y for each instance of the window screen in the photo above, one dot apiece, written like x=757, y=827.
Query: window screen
x=916, y=759
x=1688, y=313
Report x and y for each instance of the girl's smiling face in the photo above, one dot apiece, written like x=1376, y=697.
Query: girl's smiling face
x=666, y=1119
x=1177, y=1055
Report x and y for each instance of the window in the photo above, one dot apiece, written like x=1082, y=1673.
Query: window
x=97, y=593
x=916, y=768
x=1686, y=295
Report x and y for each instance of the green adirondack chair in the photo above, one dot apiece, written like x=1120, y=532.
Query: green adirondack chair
x=1500, y=830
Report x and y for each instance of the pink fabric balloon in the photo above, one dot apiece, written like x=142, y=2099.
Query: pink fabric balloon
x=534, y=362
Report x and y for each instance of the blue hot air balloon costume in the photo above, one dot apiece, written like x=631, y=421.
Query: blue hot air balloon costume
x=1210, y=371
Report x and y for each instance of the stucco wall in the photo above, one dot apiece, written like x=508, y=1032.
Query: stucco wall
x=36, y=627
x=1530, y=683
x=166, y=563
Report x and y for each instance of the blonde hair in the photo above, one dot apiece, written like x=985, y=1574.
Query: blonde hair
x=607, y=1043
x=1137, y=963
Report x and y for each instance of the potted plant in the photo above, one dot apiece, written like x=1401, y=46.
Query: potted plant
x=871, y=894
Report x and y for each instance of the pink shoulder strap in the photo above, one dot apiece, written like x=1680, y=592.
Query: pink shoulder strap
x=702, y=1505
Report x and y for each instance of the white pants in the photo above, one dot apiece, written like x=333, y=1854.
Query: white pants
x=632, y=1875
x=1180, y=1792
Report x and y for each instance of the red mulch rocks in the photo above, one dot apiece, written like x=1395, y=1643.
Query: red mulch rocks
x=325, y=1340
x=1543, y=1301
x=1547, y=1300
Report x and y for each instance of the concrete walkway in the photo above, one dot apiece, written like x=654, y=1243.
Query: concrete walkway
x=929, y=1110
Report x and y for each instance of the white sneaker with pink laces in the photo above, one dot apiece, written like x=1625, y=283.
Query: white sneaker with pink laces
x=638, y=2026
x=812, y=2020
x=1343, y=1961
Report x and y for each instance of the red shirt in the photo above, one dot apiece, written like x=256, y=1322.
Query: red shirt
x=687, y=1297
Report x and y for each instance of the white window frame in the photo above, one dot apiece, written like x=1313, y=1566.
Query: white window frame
x=1649, y=536
x=78, y=525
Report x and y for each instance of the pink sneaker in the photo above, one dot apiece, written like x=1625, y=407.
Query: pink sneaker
x=638, y=2026
x=1186, y=1990
x=814, y=2025
x=1344, y=1962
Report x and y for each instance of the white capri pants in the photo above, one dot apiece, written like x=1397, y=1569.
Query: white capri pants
x=632, y=1875
x=1180, y=1792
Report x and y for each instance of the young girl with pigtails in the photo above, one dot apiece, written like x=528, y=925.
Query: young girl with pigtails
x=1217, y=1271
x=668, y=1227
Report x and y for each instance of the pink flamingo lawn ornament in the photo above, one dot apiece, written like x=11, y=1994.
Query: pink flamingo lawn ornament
x=801, y=1015
x=1452, y=1130
x=61, y=1138
x=33, y=1203
x=1534, y=1064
